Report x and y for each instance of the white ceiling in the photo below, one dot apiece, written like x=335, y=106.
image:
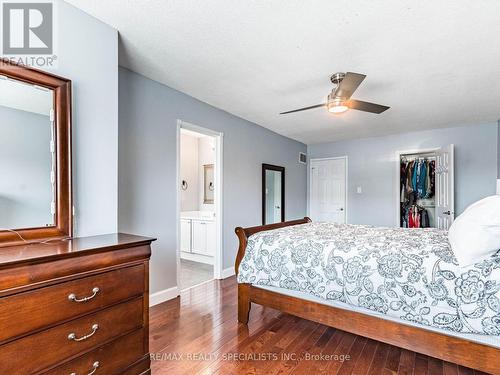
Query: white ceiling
x=436, y=63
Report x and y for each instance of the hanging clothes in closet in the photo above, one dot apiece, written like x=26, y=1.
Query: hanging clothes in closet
x=415, y=216
x=417, y=182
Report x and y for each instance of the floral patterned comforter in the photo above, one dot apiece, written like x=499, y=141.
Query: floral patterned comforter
x=409, y=274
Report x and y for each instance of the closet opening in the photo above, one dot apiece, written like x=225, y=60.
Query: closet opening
x=425, y=188
x=199, y=176
x=418, y=190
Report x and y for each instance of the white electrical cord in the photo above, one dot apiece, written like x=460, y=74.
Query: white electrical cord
x=13, y=231
x=34, y=242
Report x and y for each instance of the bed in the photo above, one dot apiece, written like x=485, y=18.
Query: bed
x=400, y=286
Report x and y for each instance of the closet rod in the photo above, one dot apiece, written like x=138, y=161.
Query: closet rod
x=427, y=154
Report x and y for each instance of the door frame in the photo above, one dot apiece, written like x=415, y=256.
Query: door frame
x=397, y=178
x=346, y=198
x=219, y=188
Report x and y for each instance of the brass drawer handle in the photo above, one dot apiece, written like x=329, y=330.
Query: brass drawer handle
x=94, y=368
x=72, y=335
x=72, y=296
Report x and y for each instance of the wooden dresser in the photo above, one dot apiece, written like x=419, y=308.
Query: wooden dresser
x=77, y=307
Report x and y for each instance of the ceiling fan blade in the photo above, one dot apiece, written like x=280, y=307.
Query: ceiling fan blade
x=366, y=106
x=349, y=84
x=303, y=109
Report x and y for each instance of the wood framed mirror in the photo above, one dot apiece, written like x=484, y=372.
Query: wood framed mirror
x=35, y=155
x=273, y=194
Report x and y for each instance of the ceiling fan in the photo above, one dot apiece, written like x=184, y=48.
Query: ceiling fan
x=339, y=100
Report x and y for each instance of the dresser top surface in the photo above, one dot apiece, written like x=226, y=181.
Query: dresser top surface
x=67, y=248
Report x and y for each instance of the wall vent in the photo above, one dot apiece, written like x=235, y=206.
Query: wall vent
x=302, y=158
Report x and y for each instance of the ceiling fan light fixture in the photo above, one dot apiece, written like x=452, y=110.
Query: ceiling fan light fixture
x=337, y=106
x=339, y=100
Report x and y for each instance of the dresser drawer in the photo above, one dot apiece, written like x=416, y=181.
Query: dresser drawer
x=108, y=359
x=41, y=350
x=46, y=306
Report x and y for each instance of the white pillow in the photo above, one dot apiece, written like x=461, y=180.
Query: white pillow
x=475, y=234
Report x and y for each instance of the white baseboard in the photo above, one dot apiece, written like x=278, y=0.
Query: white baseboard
x=163, y=295
x=228, y=272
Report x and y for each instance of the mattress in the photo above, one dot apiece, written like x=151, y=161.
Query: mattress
x=408, y=274
x=490, y=340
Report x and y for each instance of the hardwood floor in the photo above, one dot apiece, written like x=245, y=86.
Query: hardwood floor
x=198, y=333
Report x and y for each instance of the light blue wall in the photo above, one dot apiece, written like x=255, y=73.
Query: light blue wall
x=148, y=114
x=372, y=165
x=87, y=53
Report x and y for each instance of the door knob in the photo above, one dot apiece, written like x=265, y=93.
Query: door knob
x=341, y=209
x=447, y=213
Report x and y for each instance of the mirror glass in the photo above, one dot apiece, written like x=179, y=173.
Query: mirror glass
x=273, y=195
x=26, y=155
x=208, y=173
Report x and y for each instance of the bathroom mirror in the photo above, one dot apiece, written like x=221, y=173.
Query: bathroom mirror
x=35, y=199
x=208, y=183
x=273, y=194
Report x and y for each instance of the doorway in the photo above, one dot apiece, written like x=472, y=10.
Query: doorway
x=328, y=189
x=425, y=190
x=199, y=205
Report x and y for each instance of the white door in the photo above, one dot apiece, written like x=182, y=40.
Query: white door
x=327, y=195
x=445, y=189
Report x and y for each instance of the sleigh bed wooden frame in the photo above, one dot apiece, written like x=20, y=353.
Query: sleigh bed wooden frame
x=452, y=349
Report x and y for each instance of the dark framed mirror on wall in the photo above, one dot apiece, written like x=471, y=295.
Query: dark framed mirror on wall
x=35, y=162
x=273, y=194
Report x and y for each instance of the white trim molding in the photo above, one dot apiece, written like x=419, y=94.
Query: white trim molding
x=498, y=186
x=163, y=296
